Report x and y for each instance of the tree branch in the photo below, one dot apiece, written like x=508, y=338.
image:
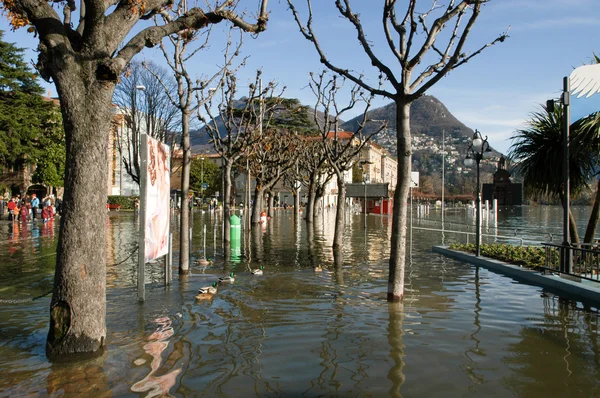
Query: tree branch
x=194, y=19
x=458, y=58
x=376, y=62
x=308, y=33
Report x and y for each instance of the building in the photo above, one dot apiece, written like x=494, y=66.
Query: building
x=502, y=189
x=380, y=167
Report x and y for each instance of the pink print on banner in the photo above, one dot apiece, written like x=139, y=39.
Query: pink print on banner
x=157, y=197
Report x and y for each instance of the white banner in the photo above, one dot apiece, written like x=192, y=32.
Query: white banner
x=157, y=198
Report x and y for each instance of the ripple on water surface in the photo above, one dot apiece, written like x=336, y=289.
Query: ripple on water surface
x=294, y=331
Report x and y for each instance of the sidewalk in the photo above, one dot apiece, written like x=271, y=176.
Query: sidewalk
x=580, y=290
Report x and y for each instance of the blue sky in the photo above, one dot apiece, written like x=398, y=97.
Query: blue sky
x=495, y=92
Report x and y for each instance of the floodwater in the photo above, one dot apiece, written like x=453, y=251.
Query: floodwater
x=461, y=330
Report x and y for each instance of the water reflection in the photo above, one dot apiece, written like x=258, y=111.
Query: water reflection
x=154, y=385
x=568, y=337
x=293, y=331
x=87, y=378
x=473, y=352
x=395, y=333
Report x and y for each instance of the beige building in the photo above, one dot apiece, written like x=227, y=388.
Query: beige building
x=380, y=166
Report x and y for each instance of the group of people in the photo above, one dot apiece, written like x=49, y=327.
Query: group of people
x=30, y=207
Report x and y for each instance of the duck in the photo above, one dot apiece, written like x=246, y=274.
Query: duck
x=258, y=271
x=207, y=291
x=204, y=261
x=227, y=279
x=318, y=268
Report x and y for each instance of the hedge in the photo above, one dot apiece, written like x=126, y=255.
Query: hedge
x=126, y=202
x=528, y=256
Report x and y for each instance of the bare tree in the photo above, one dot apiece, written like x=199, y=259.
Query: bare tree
x=234, y=130
x=412, y=40
x=271, y=157
x=293, y=180
x=84, y=58
x=316, y=173
x=183, y=50
x=342, y=152
x=146, y=108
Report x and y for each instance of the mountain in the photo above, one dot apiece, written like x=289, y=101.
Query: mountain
x=290, y=114
x=427, y=116
x=429, y=121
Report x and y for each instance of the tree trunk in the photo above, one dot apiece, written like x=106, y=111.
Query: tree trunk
x=398, y=244
x=590, y=231
x=296, y=194
x=270, y=206
x=338, y=235
x=257, y=205
x=78, y=306
x=318, y=202
x=574, y=234
x=311, y=202
x=184, y=226
x=227, y=207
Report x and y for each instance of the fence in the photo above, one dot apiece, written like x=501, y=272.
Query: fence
x=582, y=260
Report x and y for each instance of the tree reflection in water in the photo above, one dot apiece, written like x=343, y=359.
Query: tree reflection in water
x=395, y=333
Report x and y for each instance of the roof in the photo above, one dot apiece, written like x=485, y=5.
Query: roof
x=341, y=135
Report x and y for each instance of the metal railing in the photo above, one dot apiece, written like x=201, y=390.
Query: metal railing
x=582, y=260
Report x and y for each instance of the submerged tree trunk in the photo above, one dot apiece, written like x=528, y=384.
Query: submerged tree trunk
x=257, y=205
x=270, y=205
x=311, y=202
x=590, y=231
x=399, y=216
x=296, y=195
x=338, y=235
x=227, y=207
x=184, y=226
x=78, y=306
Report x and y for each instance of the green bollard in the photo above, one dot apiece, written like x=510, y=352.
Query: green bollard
x=235, y=231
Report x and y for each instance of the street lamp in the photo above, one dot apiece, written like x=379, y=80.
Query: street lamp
x=365, y=175
x=478, y=149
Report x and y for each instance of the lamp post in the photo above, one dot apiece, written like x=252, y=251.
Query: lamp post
x=365, y=175
x=478, y=149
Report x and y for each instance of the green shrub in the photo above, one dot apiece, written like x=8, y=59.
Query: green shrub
x=126, y=202
x=528, y=256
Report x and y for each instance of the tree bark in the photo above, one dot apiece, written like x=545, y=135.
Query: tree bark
x=296, y=194
x=78, y=306
x=311, y=202
x=184, y=225
x=399, y=216
x=590, y=231
x=338, y=235
x=574, y=234
x=227, y=207
x=257, y=205
x=270, y=205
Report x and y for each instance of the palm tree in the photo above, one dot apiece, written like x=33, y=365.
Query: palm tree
x=537, y=150
x=587, y=140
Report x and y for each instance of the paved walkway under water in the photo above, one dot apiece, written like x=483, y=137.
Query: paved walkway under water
x=579, y=290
